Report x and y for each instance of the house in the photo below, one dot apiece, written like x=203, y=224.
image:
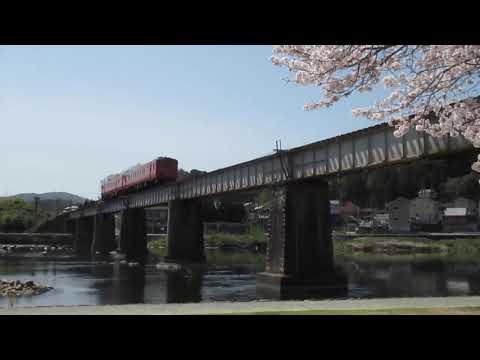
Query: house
x=70, y=209
x=262, y=212
x=399, y=215
x=459, y=219
x=365, y=226
x=381, y=222
x=258, y=213
x=350, y=209
x=470, y=205
x=425, y=211
x=381, y=217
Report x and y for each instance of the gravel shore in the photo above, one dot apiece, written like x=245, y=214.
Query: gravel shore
x=253, y=306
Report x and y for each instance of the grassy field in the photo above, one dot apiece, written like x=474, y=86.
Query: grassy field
x=411, y=311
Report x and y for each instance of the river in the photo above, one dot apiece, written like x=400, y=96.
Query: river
x=230, y=276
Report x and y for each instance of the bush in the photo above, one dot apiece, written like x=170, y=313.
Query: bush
x=256, y=236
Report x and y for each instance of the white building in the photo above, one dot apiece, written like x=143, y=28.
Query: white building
x=399, y=214
x=424, y=209
x=459, y=219
x=70, y=209
x=470, y=205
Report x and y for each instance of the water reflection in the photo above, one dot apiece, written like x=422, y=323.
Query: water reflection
x=229, y=276
x=182, y=288
x=118, y=284
x=410, y=277
x=82, y=282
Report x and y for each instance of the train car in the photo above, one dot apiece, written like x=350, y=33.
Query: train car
x=159, y=170
x=111, y=185
x=166, y=169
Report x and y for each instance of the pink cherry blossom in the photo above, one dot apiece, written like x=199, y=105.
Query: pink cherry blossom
x=438, y=84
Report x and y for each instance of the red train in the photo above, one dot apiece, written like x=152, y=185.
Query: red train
x=159, y=170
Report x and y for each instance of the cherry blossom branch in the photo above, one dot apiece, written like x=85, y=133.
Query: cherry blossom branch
x=433, y=82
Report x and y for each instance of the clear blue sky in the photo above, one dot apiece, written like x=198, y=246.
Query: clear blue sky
x=70, y=115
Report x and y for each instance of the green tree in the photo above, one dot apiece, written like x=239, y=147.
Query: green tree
x=15, y=215
x=264, y=197
x=469, y=186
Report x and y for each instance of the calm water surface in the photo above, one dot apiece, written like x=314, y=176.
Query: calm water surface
x=230, y=276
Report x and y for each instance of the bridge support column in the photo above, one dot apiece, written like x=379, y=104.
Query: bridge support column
x=133, y=234
x=83, y=236
x=185, y=232
x=299, y=261
x=104, y=234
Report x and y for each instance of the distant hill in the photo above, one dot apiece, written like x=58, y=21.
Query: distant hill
x=62, y=196
x=51, y=203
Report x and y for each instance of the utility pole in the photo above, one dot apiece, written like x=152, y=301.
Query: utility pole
x=36, y=198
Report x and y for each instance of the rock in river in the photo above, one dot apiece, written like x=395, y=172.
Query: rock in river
x=17, y=288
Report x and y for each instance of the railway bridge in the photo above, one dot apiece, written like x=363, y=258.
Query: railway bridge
x=299, y=254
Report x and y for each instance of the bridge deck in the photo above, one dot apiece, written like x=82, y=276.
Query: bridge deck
x=365, y=148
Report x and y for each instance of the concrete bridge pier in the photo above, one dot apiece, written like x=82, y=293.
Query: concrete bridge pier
x=299, y=262
x=185, y=232
x=133, y=235
x=104, y=234
x=83, y=235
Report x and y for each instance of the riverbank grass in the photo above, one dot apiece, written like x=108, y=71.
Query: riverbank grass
x=240, y=240
x=356, y=247
x=420, y=245
x=256, y=237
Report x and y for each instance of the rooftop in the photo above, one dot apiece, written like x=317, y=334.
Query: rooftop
x=455, y=212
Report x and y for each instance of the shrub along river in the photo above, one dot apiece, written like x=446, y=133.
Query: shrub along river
x=230, y=276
